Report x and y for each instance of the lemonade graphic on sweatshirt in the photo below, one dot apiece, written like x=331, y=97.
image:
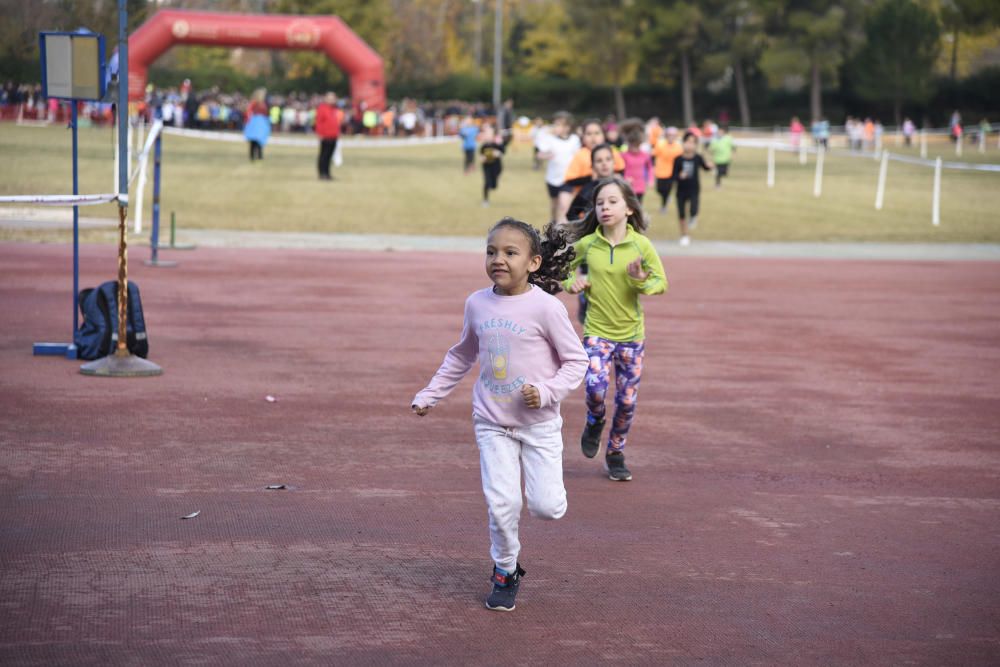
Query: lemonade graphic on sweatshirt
x=497, y=377
x=499, y=355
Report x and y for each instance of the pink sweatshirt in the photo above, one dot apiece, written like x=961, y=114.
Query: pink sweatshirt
x=638, y=169
x=523, y=339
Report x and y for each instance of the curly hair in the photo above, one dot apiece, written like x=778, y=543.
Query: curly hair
x=551, y=245
x=588, y=225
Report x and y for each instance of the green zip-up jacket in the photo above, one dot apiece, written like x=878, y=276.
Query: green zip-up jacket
x=613, y=310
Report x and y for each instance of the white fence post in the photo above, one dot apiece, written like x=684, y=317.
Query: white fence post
x=802, y=153
x=818, y=180
x=982, y=141
x=770, y=166
x=880, y=190
x=936, y=201
x=923, y=144
x=958, y=144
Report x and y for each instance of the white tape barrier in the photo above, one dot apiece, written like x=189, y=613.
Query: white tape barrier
x=769, y=143
x=59, y=200
x=313, y=142
x=143, y=160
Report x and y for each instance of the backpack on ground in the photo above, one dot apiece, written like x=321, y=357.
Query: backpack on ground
x=98, y=333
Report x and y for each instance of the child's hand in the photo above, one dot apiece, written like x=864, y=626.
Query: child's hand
x=581, y=283
x=420, y=411
x=531, y=396
x=635, y=270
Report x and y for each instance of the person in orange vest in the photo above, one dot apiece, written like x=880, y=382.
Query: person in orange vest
x=328, y=120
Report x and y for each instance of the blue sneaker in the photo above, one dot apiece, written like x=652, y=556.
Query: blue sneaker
x=505, y=585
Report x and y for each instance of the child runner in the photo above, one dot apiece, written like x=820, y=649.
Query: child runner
x=638, y=165
x=579, y=171
x=558, y=147
x=602, y=160
x=665, y=151
x=623, y=265
x=468, y=132
x=721, y=149
x=686, y=168
x=492, y=150
x=529, y=359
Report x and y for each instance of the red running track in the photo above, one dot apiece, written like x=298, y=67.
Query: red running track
x=815, y=455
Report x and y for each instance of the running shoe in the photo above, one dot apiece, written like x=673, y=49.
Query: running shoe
x=590, y=441
x=505, y=585
x=685, y=240
x=615, y=463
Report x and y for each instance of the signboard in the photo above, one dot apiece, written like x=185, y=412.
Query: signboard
x=73, y=65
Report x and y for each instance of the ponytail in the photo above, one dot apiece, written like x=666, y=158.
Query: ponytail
x=555, y=251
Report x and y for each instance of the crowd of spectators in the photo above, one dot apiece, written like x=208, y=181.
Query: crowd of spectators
x=214, y=109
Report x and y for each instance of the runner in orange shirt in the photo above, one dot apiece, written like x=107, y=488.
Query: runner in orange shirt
x=665, y=151
x=580, y=171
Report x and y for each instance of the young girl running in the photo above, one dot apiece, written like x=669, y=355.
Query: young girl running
x=623, y=265
x=686, y=168
x=492, y=150
x=529, y=360
x=602, y=160
x=579, y=172
x=665, y=151
x=638, y=165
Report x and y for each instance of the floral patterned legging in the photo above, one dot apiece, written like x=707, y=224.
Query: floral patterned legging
x=627, y=358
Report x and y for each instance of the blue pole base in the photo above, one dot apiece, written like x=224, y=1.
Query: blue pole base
x=179, y=246
x=54, y=350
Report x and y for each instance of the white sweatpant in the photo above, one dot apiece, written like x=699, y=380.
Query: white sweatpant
x=501, y=453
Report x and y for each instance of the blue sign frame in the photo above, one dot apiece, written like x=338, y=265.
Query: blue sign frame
x=102, y=65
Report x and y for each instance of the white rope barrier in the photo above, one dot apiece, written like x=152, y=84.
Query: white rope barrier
x=59, y=200
x=143, y=160
x=313, y=142
x=779, y=146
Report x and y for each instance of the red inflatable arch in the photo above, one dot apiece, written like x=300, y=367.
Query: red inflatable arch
x=262, y=31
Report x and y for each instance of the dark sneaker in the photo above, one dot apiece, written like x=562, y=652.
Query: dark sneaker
x=590, y=441
x=617, y=471
x=505, y=585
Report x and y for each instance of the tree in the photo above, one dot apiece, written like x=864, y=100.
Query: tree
x=735, y=33
x=744, y=33
x=896, y=62
x=673, y=32
x=810, y=38
x=604, y=37
x=545, y=51
x=968, y=16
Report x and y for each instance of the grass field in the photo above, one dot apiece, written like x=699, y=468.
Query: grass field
x=421, y=190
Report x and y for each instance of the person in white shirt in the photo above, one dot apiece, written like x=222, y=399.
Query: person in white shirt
x=558, y=147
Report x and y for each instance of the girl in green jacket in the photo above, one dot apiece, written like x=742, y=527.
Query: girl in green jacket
x=622, y=265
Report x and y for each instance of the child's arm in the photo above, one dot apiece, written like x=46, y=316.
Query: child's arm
x=645, y=274
x=571, y=282
x=456, y=364
x=572, y=356
x=706, y=163
x=676, y=175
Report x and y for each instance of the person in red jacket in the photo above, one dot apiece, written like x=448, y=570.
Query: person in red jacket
x=328, y=119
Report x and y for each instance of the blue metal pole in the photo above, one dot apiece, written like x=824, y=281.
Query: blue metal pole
x=155, y=241
x=123, y=103
x=71, y=350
